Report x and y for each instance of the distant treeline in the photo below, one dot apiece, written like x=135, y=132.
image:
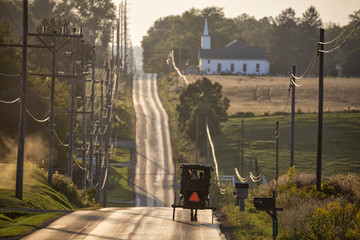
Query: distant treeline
x=289, y=40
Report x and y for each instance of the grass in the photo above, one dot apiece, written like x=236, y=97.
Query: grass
x=340, y=143
x=20, y=223
x=36, y=195
x=119, y=189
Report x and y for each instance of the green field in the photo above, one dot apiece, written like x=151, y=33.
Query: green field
x=341, y=151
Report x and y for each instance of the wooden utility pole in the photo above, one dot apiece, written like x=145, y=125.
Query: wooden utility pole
x=121, y=36
x=292, y=119
x=117, y=56
x=257, y=171
x=242, y=147
x=52, y=109
x=92, y=119
x=101, y=122
x=277, y=150
x=22, y=120
x=72, y=108
x=125, y=39
x=108, y=130
x=320, y=112
x=84, y=172
x=197, y=137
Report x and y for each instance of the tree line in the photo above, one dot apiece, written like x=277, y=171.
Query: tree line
x=289, y=40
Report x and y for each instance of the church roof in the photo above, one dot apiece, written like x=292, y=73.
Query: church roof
x=234, y=50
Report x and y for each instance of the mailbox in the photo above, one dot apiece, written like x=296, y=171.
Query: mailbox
x=264, y=203
x=242, y=190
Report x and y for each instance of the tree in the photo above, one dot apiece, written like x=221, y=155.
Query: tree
x=352, y=63
x=204, y=98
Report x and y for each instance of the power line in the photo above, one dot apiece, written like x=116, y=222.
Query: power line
x=9, y=75
x=345, y=39
x=335, y=39
x=37, y=120
x=62, y=143
x=10, y=102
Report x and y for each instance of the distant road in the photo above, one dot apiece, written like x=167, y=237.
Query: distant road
x=155, y=171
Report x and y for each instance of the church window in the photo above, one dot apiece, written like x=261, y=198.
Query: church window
x=232, y=67
x=219, y=67
x=257, y=67
x=244, y=67
x=209, y=61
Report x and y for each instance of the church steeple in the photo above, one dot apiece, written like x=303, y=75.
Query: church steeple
x=205, y=38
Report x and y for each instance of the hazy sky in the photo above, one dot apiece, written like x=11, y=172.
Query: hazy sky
x=143, y=13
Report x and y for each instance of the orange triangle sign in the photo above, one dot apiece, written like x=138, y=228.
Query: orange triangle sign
x=194, y=197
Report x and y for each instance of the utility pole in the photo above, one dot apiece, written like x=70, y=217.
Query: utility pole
x=242, y=147
x=125, y=39
x=92, y=120
x=84, y=173
x=101, y=136
x=320, y=114
x=108, y=131
x=197, y=136
x=121, y=36
x=22, y=120
x=207, y=142
x=117, y=56
x=72, y=108
x=292, y=118
x=277, y=150
x=52, y=115
x=257, y=170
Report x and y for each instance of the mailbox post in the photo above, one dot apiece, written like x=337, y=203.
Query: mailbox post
x=268, y=204
x=242, y=192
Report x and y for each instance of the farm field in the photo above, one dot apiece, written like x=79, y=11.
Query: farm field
x=260, y=94
x=341, y=152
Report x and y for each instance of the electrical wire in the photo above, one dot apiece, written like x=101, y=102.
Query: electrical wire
x=335, y=39
x=37, y=120
x=10, y=75
x=310, y=66
x=65, y=145
x=241, y=179
x=345, y=39
x=177, y=69
x=106, y=174
x=222, y=191
x=77, y=163
x=10, y=102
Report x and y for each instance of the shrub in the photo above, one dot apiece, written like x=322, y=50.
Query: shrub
x=81, y=198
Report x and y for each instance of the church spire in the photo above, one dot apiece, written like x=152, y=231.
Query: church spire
x=205, y=38
x=206, y=33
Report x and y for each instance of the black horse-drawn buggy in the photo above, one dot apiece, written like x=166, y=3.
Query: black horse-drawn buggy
x=194, y=191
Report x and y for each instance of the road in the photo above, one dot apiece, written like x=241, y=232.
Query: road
x=152, y=217
x=130, y=223
x=154, y=175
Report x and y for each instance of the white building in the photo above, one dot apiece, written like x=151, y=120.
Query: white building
x=234, y=58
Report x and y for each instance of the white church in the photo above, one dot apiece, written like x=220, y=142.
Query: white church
x=234, y=58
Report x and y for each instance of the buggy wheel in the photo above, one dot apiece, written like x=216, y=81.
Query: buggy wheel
x=212, y=216
x=174, y=206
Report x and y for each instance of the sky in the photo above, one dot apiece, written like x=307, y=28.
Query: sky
x=143, y=13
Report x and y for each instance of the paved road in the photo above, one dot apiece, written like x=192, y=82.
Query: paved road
x=152, y=217
x=154, y=176
x=130, y=223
